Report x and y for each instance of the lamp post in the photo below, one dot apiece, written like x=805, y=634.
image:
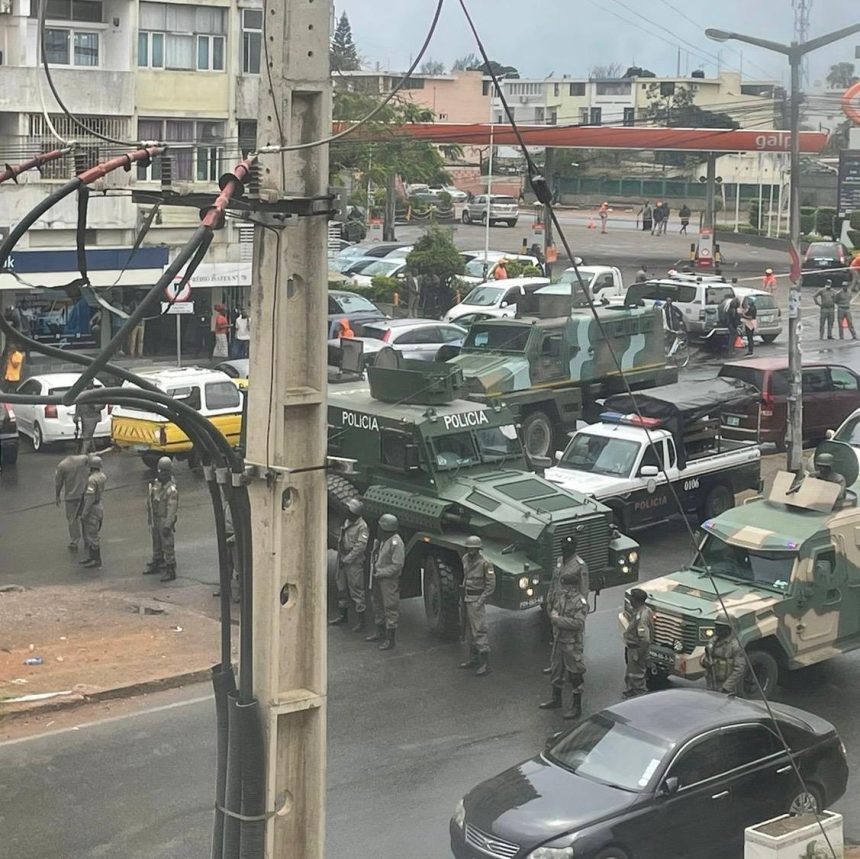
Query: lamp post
x=795, y=52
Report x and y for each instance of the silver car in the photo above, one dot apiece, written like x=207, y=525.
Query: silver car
x=417, y=339
x=501, y=209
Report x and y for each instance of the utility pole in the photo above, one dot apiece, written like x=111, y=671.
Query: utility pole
x=286, y=432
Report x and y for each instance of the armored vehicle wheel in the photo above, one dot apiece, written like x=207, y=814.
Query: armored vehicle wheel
x=442, y=595
x=340, y=490
x=766, y=669
x=537, y=434
x=719, y=500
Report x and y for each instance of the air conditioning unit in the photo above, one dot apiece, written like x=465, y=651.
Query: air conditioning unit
x=5, y=7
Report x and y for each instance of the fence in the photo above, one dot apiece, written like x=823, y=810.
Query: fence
x=657, y=189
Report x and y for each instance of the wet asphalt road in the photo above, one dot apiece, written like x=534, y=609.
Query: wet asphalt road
x=408, y=732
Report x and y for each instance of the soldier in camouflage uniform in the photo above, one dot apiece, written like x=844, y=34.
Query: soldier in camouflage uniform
x=479, y=582
x=351, y=550
x=825, y=298
x=386, y=565
x=567, y=615
x=723, y=660
x=637, y=643
x=91, y=512
x=162, y=507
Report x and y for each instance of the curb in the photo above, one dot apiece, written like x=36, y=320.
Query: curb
x=78, y=699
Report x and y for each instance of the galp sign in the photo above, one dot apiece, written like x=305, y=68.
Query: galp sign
x=776, y=140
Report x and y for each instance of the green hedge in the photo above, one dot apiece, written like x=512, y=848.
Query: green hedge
x=381, y=289
x=807, y=223
x=854, y=236
x=824, y=216
x=854, y=220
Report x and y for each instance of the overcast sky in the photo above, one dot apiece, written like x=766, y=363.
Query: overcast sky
x=543, y=37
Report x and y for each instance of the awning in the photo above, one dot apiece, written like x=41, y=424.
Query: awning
x=141, y=277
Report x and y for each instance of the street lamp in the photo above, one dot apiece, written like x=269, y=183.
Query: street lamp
x=795, y=53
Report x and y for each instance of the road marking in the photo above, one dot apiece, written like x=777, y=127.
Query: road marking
x=160, y=709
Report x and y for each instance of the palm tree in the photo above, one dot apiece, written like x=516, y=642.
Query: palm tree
x=841, y=76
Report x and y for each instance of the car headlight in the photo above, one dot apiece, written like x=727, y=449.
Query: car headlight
x=524, y=582
x=551, y=853
x=633, y=557
x=459, y=816
x=706, y=633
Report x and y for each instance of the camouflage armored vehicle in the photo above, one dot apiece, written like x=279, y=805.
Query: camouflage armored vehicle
x=449, y=468
x=788, y=570
x=551, y=370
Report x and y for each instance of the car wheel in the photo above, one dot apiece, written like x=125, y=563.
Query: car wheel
x=766, y=669
x=719, y=499
x=807, y=801
x=769, y=338
x=442, y=595
x=466, y=218
x=512, y=223
x=38, y=439
x=537, y=434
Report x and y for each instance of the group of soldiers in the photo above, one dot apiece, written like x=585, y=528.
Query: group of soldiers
x=80, y=483
x=832, y=303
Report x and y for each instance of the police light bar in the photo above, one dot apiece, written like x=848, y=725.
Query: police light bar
x=632, y=420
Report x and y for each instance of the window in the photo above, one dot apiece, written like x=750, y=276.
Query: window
x=576, y=89
x=653, y=456
x=181, y=37
x=70, y=10
x=40, y=137
x=843, y=379
x=629, y=116
x=583, y=116
x=553, y=117
x=198, y=159
x=71, y=47
x=540, y=114
x=815, y=380
x=222, y=395
x=596, y=116
x=189, y=395
x=252, y=40
x=399, y=451
x=247, y=136
x=413, y=83
x=419, y=336
x=699, y=762
x=744, y=745
x=551, y=346
x=612, y=88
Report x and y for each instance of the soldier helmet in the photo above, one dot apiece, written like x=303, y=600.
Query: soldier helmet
x=723, y=623
x=355, y=506
x=473, y=542
x=568, y=547
x=638, y=596
x=165, y=463
x=828, y=283
x=388, y=522
x=824, y=460
x=94, y=461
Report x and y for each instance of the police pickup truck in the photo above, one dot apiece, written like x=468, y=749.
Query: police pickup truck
x=631, y=462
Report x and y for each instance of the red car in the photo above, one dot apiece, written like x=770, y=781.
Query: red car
x=830, y=393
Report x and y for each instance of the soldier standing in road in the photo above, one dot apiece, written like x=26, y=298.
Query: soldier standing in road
x=351, y=550
x=162, y=507
x=637, y=642
x=571, y=562
x=386, y=565
x=843, y=312
x=723, y=660
x=567, y=616
x=826, y=301
x=87, y=417
x=479, y=582
x=70, y=480
x=91, y=512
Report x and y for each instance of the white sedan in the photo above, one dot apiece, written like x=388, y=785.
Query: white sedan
x=45, y=425
x=383, y=267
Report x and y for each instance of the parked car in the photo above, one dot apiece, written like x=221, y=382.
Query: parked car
x=823, y=261
x=496, y=298
x=355, y=252
x=672, y=775
x=356, y=309
x=387, y=267
x=499, y=208
x=8, y=435
x=604, y=283
x=769, y=316
x=456, y=195
x=237, y=370
x=47, y=425
x=418, y=339
x=482, y=266
x=830, y=393
x=698, y=298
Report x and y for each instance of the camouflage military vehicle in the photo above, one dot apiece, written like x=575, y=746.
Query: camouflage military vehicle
x=550, y=370
x=449, y=468
x=788, y=570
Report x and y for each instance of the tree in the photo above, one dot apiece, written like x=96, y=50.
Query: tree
x=841, y=76
x=435, y=254
x=343, y=54
x=676, y=109
x=466, y=63
x=432, y=67
x=610, y=71
x=638, y=72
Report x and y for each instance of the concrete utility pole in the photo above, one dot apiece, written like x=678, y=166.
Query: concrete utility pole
x=287, y=432
x=795, y=53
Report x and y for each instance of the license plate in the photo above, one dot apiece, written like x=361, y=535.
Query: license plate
x=733, y=421
x=660, y=657
x=530, y=603
x=767, y=319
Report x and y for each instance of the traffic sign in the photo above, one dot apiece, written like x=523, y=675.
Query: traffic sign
x=179, y=308
x=173, y=293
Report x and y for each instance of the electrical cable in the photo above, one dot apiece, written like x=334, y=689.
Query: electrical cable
x=542, y=190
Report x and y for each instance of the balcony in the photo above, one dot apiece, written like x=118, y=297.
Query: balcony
x=84, y=90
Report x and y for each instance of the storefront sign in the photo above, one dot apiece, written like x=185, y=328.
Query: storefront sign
x=848, y=193
x=98, y=259
x=211, y=275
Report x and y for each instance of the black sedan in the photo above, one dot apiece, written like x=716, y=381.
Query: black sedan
x=825, y=261
x=678, y=773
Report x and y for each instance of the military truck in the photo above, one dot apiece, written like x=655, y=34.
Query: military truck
x=448, y=468
x=550, y=370
x=788, y=570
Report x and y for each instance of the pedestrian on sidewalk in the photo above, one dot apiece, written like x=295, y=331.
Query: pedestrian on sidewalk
x=14, y=366
x=647, y=215
x=768, y=282
x=657, y=224
x=70, y=482
x=222, y=328
x=843, y=312
x=664, y=223
x=603, y=214
x=826, y=301
x=243, y=334
x=479, y=582
x=87, y=417
x=684, y=214
x=386, y=565
x=750, y=323
x=91, y=512
x=162, y=507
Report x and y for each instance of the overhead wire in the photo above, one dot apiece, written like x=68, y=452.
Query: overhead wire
x=539, y=184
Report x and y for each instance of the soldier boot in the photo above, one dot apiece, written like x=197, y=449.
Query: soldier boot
x=343, y=617
x=484, y=668
x=390, y=642
x=94, y=562
x=378, y=635
x=359, y=622
x=555, y=702
x=153, y=567
x=169, y=573
x=575, y=707
x=472, y=661
x=86, y=561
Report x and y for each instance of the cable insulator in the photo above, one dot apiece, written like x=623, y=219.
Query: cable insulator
x=166, y=172
x=253, y=183
x=81, y=162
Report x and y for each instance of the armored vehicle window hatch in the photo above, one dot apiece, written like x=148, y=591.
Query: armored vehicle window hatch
x=399, y=451
x=807, y=494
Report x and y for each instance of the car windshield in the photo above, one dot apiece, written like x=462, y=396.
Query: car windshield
x=464, y=449
x=483, y=296
x=600, y=455
x=383, y=266
x=762, y=302
x=455, y=451
x=350, y=302
x=569, y=275
x=823, y=249
x=498, y=443
x=502, y=338
x=849, y=432
x=504, y=201
x=475, y=268
x=769, y=569
x=610, y=752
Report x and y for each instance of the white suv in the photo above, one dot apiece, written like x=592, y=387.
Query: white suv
x=498, y=207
